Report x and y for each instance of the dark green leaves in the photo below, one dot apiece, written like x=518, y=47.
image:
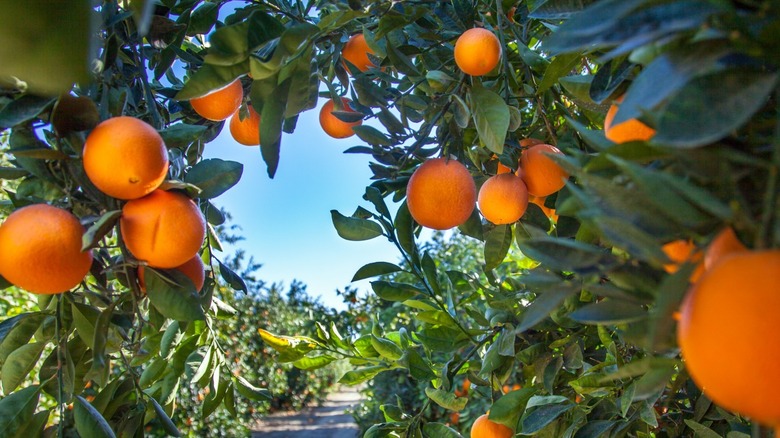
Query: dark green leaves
x=99, y=229
x=50, y=47
x=446, y=399
x=375, y=269
x=175, y=300
x=491, y=117
x=89, y=422
x=353, y=228
x=19, y=363
x=392, y=291
x=361, y=375
x=214, y=176
x=712, y=106
x=17, y=409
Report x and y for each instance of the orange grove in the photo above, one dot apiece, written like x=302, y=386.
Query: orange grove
x=503, y=198
x=541, y=174
x=247, y=131
x=192, y=269
x=332, y=125
x=40, y=249
x=477, y=51
x=485, y=428
x=630, y=130
x=219, y=104
x=441, y=194
x=728, y=331
x=125, y=157
x=724, y=243
x=163, y=228
x=356, y=51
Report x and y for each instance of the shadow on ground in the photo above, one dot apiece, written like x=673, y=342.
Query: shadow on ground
x=326, y=421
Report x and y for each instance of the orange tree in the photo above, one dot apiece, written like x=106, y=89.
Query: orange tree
x=580, y=310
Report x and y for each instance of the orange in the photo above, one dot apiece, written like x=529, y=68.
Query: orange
x=728, y=334
x=454, y=418
x=163, y=228
x=503, y=198
x=541, y=174
x=40, y=249
x=681, y=251
x=725, y=243
x=192, y=268
x=247, y=131
x=466, y=385
x=332, y=125
x=630, y=130
x=484, y=428
x=219, y=104
x=441, y=194
x=125, y=157
x=477, y=51
x=356, y=51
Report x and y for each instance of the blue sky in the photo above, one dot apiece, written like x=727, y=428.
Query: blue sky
x=286, y=220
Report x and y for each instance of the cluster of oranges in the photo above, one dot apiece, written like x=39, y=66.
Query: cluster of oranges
x=226, y=102
x=441, y=193
x=125, y=158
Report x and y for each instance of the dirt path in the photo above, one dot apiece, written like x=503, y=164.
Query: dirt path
x=326, y=421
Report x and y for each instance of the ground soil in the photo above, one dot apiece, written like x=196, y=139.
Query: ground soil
x=326, y=421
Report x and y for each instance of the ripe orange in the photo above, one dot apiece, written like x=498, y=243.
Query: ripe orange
x=681, y=251
x=356, y=51
x=630, y=130
x=332, y=125
x=219, y=104
x=454, y=418
x=466, y=385
x=541, y=174
x=477, y=51
x=728, y=334
x=125, y=158
x=503, y=198
x=164, y=228
x=725, y=243
x=484, y=428
x=40, y=249
x=441, y=194
x=192, y=268
x=247, y=131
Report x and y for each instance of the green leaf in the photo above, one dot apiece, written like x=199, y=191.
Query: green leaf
x=12, y=173
x=181, y=135
x=491, y=117
x=710, y=107
x=23, y=109
x=386, y=348
x=566, y=254
x=313, y=362
x=609, y=312
x=371, y=135
x=701, y=430
x=214, y=176
x=404, y=229
x=263, y=28
x=446, y=399
x=560, y=66
x=203, y=19
x=271, y=119
x=540, y=417
x=17, y=331
x=210, y=78
x=497, y=243
x=250, y=391
x=89, y=422
x=508, y=409
x=361, y=375
x=544, y=304
x=19, y=364
x=291, y=348
x=34, y=427
x=391, y=291
x=355, y=229
x=98, y=230
x=439, y=430
x=166, y=421
x=84, y=319
x=16, y=410
x=52, y=37
x=174, y=299
x=419, y=368
x=232, y=279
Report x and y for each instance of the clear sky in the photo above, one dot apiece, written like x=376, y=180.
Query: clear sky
x=286, y=220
